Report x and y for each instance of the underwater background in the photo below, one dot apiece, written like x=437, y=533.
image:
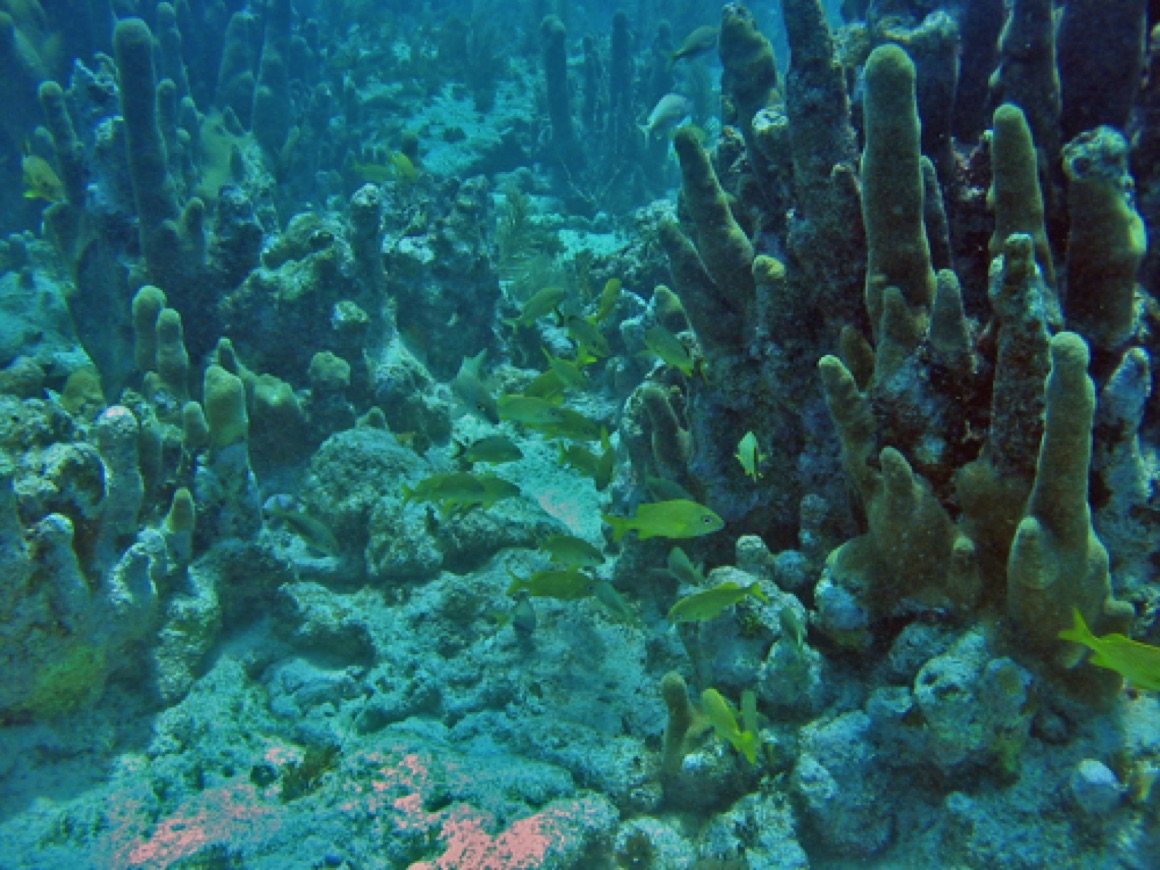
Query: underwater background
x=489, y=435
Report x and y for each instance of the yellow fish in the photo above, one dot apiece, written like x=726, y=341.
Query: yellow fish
x=579, y=458
x=529, y=410
x=724, y=721
x=399, y=167
x=599, y=468
x=608, y=300
x=667, y=519
x=1138, y=663
x=460, y=491
x=670, y=349
x=547, y=386
x=540, y=305
x=682, y=567
x=491, y=448
x=404, y=167
x=711, y=603
x=587, y=337
x=313, y=531
x=572, y=551
x=571, y=424
x=568, y=371
x=41, y=180
x=749, y=455
x=375, y=173
x=564, y=585
x=610, y=597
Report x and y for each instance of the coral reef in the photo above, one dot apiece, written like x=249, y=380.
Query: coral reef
x=368, y=498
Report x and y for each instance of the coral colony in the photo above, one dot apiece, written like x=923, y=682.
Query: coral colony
x=495, y=436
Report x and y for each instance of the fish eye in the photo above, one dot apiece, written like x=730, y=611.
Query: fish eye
x=707, y=520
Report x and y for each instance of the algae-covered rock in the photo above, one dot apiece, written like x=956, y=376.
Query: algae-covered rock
x=842, y=786
x=413, y=541
x=976, y=707
x=350, y=474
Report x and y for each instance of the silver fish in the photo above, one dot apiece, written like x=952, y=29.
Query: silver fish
x=468, y=387
x=669, y=109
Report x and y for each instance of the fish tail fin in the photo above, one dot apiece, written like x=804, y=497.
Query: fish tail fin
x=474, y=364
x=746, y=744
x=518, y=583
x=458, y=448
x=619, y=526
x=755, y=591
x=1079, y=632
x=408, y=494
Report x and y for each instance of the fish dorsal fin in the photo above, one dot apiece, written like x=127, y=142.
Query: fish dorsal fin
x=474, y=364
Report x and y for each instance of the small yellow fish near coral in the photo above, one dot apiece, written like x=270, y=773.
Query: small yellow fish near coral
x=670, y=349
x=1138, y=663
x=572, y=551
x=678, y=518
x=724, y=722
x=399, y=167
x=540, y=305
x=40, y=179
x=749, y=455
x=528, y=410
x=460, y=491
x=711, y=603
x=567, y=584
x=609, y=298
x=495, y=449
x=682, y=567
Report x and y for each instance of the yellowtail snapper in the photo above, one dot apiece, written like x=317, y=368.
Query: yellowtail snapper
x=667, y=519
x=711, y=603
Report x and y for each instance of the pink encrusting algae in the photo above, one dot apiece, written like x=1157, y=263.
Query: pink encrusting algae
x=393, y=787
x=527, y=844
x=233, y=813
x=394, y=781
x=523, y=846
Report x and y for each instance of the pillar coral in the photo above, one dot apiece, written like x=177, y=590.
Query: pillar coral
x=1057, y=563
x=892, y=189
x=153, y=186
x=1106, y=242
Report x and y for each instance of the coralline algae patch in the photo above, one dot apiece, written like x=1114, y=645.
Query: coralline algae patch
x=395, y=806
x=234, y=813
x=407, y=796
x=553, y=837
